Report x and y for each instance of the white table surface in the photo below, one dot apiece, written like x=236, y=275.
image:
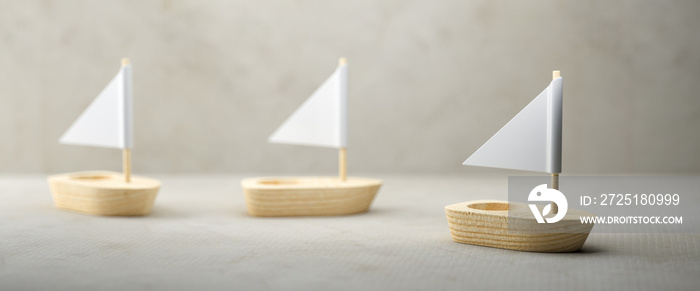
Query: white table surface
x=199, y=237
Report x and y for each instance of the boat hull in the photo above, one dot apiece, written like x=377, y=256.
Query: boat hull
x=103, y=193
x=512, y=226
x=309, y=196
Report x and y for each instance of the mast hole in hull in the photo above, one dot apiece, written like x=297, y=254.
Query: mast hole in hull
x=90, y=177
x=279, y=182
x=489, y=206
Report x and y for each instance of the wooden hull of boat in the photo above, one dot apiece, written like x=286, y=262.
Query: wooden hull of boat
x=512, y=226
x=103, y=193
x=308, y=196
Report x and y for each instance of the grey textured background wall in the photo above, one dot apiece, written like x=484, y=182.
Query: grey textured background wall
x=430, y=81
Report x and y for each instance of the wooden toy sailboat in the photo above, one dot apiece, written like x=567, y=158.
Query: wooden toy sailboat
x=107, y=122
x=320, y=121
x=530, y=141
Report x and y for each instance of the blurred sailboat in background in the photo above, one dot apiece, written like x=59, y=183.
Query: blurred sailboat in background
x=320, y=121
x=107, y=122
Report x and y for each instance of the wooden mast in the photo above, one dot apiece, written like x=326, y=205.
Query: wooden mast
x=342, y=159
x=342, y=152
x=555, y=176
x=126, y=152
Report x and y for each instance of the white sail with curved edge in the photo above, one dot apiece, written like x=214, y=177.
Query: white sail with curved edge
x=322, y=119
x=531, y=140
x=107, y=122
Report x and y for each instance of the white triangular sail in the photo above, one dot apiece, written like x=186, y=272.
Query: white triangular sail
x=107, y=122
x=322, y=119
x=531, y=140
